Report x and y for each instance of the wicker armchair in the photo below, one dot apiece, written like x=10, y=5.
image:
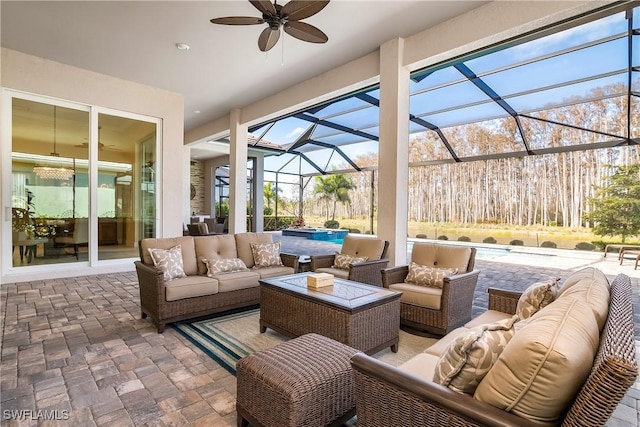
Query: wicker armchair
x=430, y=309
x=364, y=272
x=387, y=396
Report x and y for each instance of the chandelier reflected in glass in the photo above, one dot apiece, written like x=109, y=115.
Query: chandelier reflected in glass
x=52, y=171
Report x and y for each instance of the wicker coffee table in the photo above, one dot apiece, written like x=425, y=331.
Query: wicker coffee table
x=362, y=316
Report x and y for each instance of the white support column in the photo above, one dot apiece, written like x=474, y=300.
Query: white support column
x=238, y=175
x=393, y=150
x=258, y=177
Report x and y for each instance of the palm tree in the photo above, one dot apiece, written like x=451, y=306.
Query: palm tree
x=334, y=188
x=270, y=194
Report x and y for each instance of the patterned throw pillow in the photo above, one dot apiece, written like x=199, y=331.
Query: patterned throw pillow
x=342, y=261
x=428, y=276
x=470, y=356
x=266, y=254
x=169, y=261
x=537, y=296
x=223, y=265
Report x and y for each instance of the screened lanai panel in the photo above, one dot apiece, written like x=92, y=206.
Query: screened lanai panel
x=592, y=31
x=426, y=147
x=357, y=119
x=583, y=91
x=357, y=152
x=476, y=113
x=447, y=97
x=339, y=107
x=560, y=69
x=635, y=112
x=444, y=76
x=342, y=139
x=275, y=163
x=485, y=138
x=541, y=135
x=285, y=131
x=588, y=115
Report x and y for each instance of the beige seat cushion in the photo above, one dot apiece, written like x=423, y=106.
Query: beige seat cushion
x=243, y=245
x=542, y=368
x=421, y=365
x=266, y=272
x=441, y=256
x=236, y=280
x=589, y=272
x=442, y=344
x=594, y=292
x=363, y=247
x=489, y=316
x=190, y=287
x=187, y=247
x=419, y=295
x=337, y=272
x=214, y=247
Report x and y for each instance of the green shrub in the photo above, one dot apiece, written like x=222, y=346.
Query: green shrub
x=548, y=244
x=489, y=240
x=516, y=242
x=331, y=224
x=354, y=231
x=267, y=211
x=421, y=236
x=464, y=239
x=585, y=246
x=368, y=232
x=443, y=237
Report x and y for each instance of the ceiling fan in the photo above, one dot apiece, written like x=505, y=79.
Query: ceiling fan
x=287, y=17
x=101, y=146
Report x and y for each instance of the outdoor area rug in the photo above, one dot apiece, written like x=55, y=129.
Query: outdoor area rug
x=228, y=338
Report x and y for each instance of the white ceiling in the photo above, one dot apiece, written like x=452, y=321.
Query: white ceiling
x=223, y=70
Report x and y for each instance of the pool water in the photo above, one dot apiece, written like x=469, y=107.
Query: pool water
x=336, y=241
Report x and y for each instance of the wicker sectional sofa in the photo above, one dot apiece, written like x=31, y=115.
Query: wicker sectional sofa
x=569, y=364
x=199, y=294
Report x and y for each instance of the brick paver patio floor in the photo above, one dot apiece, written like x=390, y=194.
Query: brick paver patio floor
x=76, y=348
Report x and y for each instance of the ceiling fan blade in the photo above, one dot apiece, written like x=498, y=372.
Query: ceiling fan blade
x=305, y=32
x=268, y=38
x=264, y=6
x=238, y=20
x=298, y=9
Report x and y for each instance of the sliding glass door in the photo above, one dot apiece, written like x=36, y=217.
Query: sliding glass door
x=126, y=185
x=79, y=194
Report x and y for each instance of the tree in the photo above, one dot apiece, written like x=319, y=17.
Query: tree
x=270, y=194
x=616, y=207
x=334, y=188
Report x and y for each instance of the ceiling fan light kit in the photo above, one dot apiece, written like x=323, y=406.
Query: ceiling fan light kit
x=287, y=17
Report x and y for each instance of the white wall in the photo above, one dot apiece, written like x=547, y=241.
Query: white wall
x=34, y=75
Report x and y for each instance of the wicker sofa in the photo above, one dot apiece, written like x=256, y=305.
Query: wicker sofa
x=198, y=294
x=531, y=392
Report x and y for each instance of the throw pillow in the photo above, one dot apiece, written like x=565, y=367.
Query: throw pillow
x=428, y=276
x=169, y=261
x=342, y=261
x=266, y=254
x=537, y=296
x=223, y=265
x=470, y=356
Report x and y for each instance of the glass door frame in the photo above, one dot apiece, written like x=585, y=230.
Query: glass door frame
x=6, y=150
